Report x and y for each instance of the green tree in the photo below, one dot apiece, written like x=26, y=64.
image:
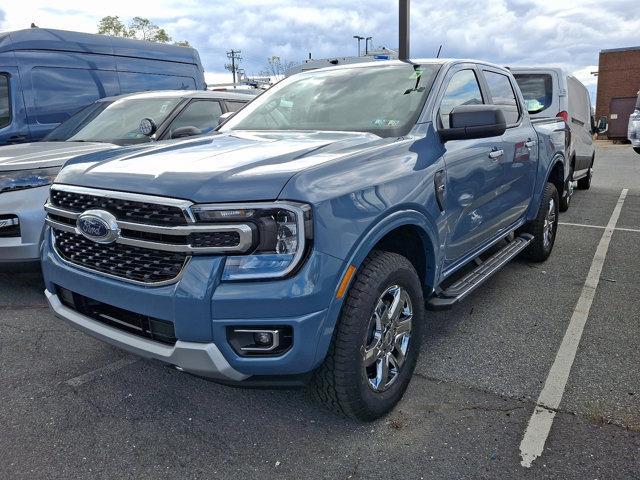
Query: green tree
x=112, y=25
x=139, y=28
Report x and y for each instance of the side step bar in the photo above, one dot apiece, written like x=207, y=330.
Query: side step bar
x=467, y=284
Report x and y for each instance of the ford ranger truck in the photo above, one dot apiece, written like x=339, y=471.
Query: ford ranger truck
x=303, y=242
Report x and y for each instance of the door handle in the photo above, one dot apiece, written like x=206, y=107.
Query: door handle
x=496, y=154
x=529, y=143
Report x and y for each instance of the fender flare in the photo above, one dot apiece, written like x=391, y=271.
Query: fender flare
x=357, y=255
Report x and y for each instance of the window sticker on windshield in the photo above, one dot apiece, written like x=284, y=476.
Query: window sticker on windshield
x=164, y=107
x=384, y=123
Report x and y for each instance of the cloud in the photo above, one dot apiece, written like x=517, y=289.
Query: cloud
x=507, y=32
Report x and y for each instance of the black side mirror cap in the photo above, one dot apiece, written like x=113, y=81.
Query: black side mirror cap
x=182, y=132
x=474, y=121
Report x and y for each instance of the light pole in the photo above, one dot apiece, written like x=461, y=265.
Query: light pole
x=366, y=45
x=359, y=38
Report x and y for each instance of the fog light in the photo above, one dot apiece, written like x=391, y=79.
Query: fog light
x=263, y=339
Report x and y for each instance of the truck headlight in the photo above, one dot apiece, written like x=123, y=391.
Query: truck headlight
x=282, y=232
x=22, y=179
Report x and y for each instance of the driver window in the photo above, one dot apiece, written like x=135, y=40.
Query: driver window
x=5, y=101
x=202, y=114
x=463, y=89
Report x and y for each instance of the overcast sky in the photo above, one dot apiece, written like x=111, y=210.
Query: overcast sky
x=510, y=32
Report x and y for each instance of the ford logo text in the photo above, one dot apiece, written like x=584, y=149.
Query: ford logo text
x=99, y=226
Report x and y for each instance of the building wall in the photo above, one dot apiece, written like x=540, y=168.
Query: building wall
x=618, y=76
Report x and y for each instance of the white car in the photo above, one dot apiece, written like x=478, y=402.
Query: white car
x=634, y=127
x=552, y=92
x=27, y=169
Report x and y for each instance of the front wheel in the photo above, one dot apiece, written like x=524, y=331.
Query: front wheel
x=544, y=227
x=637, y=150
x=376, y=341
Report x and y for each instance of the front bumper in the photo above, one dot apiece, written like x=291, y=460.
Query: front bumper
x=203, y=359
x=202, y=308
x=28, y=206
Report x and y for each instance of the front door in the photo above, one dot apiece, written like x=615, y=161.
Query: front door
x=474, y=174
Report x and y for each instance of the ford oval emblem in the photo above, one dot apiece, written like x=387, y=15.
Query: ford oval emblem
x=99, y=226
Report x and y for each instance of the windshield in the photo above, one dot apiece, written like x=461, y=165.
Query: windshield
x=385, y=100
x=537, y=90
x=114, y=122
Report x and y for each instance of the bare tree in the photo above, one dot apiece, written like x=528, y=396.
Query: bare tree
x=276, y=67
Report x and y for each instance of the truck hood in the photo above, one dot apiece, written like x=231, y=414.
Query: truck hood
x=25, y=156
x=234, y=166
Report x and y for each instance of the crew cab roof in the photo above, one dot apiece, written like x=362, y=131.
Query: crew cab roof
x=418, y=61
x=182, y=94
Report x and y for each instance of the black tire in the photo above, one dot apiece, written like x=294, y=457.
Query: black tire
x=342, y=383
x=565, y=198
x=585, y=182
x=540, y=247
x=637, y=150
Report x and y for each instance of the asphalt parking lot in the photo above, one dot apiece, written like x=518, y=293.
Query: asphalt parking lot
x=73, y=407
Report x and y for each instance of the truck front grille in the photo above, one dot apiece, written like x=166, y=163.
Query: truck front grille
x=126, y=210
x=132, y=263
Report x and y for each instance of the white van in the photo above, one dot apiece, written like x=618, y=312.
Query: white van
x=634, y=127
x=551, y=92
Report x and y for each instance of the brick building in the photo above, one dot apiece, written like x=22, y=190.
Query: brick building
x=618, y=85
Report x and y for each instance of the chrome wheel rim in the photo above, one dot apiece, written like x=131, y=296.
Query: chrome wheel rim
x=388, y=335
x=549, y=224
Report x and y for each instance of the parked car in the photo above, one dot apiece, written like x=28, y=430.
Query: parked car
x=27, y=169
x=301, y=243
x=551, y=92
x=48, y=75
x=634, y=127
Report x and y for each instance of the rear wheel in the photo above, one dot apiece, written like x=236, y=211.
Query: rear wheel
x=585, y=182
x=544, y=227
x=637, y=150
x=376, y=341
x=565, y=199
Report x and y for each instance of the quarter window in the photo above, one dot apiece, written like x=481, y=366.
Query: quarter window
x=5, y=101
x=503, y=96
x=463, y=89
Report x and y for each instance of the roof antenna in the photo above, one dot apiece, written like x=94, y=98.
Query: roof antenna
x=439, y=50
x=404, y=29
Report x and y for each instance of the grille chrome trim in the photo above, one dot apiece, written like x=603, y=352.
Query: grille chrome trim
x=171, y=281
x=243, y=230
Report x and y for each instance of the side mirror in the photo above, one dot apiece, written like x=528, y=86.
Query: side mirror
x=474, y=121
x=147, y=127
x=603, y=125
x=224, y=117
x=182, y=132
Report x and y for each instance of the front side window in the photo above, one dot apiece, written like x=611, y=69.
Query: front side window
x=503, y=95
x=202, y=114
x=5, y=101
x=463, y=89
x=383, y=99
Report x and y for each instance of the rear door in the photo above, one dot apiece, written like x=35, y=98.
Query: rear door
x=473, y=171
x=518, y=145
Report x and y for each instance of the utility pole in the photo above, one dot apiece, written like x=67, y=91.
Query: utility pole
x=359, y=38
x=404, y=29
x=366, y=45
x=233, y=67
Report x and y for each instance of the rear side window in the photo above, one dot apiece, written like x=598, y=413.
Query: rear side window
x=503, y=96
x=202, y=114
x=5, y=101
x=61, y=92
x=142, y=82
x=234, y=106
x=463, y=89
x=537, y=90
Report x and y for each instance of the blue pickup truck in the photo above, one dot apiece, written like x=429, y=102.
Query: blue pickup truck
x=303, y=242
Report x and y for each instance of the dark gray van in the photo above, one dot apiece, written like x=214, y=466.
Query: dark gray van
x=48, y=75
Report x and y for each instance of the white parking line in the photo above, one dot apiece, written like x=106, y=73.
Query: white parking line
x=537, y=431
x=620, y=229
x=99, y=372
